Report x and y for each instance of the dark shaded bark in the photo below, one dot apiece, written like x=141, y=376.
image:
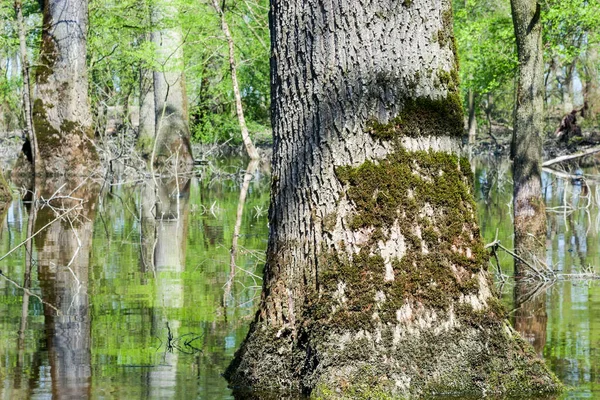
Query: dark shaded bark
x=61, y=110
x=376, y=281
x=529, y=208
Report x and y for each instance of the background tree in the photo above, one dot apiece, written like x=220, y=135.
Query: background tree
x=61, y=113
x=376, y=279
x=528, y=203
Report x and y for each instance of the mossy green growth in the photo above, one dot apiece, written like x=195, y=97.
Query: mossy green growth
x=47, y=136
x=428, y=196
x=424, y=116
x=48, y=57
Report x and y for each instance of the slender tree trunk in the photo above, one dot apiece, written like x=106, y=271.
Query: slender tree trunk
x=5, y=196
x=147, y=124
x=592, y=83
x=376, y=279
x=172, y=138
x=472, y=118
x=250, y=149
x=36, y=160
x=567, y=88
x=61, y=111
x=528, y=203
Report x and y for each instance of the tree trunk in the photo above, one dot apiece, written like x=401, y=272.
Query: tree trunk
x=34, y=153
x=529, y=208
x=172, y=138
x=5, y=196
x=376, y=279
x=592, y=83
x=472, y=118
x=147, y=124
x=61, y=111
x=250, y=149
x=567, y=88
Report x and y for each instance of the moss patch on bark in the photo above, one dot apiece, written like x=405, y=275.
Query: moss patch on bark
x=423, y=116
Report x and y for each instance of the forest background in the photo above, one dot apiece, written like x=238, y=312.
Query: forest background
x=119, y=49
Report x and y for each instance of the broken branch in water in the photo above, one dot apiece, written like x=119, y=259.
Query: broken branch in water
x=584, y=153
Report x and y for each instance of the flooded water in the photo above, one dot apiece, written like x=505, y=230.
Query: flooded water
x=133, y=296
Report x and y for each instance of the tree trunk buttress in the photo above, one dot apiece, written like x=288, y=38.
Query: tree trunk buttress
x=61, y=110
x=375, y=281
x=529, y=208
x=172, y=139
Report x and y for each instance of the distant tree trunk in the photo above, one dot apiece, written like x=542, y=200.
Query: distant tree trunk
x=147, y=124
x=528, y=203
x=35, y=158
x=172, y=139
x=250, y=149
x=5, y=195
x=61, y=111
x=376, y=278
x=592, y=84
x=472, y=126
x=567, y=87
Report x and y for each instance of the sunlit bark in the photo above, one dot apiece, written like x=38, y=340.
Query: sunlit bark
x=376, y=281
x=61, y=111
x=528, y=204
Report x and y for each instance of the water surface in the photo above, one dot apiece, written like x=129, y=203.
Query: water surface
x=133, y=296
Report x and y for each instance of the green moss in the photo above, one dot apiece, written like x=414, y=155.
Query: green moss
x=47, y=136
x=397, y=190
x=423, y=116
x=48, y=57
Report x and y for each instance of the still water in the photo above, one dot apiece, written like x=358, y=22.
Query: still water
x=137, y=293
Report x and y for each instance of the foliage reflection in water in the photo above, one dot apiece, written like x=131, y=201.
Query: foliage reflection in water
x=144, y=298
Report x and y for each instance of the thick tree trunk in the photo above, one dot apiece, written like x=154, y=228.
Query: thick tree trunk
x=172, y=138
x=239, y=109
x=376, y=281
x=529, y=208
x=61, y=111
x=34, y=153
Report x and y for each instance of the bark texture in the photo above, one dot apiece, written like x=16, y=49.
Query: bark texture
x=529, y=208
x=375, y=283
x=172, y=138
x=61, y=111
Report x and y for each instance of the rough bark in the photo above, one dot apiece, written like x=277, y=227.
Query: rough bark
x=34, y=153
x=172, y=138
x=375, y=283
x=239, y=109
x=61, y=110
x=528, y=204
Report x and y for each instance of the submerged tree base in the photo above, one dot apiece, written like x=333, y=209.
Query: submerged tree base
x=423, y=354
x=402, y=305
